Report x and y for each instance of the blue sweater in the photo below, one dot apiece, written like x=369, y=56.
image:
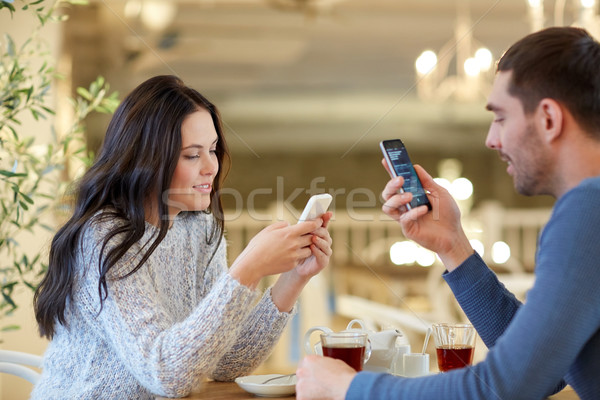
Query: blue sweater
x=536, y=347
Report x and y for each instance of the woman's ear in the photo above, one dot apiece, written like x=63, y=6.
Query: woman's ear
x=549, y=117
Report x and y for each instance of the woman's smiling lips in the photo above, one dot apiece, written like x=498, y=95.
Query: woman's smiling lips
x=203, y=188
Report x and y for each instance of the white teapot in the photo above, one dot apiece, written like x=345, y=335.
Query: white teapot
x=387, y=346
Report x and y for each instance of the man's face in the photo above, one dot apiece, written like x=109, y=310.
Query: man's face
x=514, y=135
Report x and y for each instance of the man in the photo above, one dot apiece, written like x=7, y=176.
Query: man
x=546, y=105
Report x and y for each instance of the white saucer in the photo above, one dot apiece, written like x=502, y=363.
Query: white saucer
x=279, y=387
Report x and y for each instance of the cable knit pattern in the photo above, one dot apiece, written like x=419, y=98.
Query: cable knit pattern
x=162, y=330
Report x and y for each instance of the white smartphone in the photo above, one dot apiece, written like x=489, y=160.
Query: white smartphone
x=316, y=206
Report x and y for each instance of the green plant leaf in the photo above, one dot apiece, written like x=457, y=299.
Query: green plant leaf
x=30, y=285
x=26, y=198
x=47, y=227
x=10, y=45
x=48, y=110
x=18, y=268
x=7, y=4
x=34, y=113
x=8, y=299
x=31, y=189
x=10, y=328
x=11, y=174
x=83, y=92
x=13, y=131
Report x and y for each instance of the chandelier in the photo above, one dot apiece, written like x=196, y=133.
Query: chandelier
x=468, y=79
x=581, y=13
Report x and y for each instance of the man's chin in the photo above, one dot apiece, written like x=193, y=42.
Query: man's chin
x=525, y=190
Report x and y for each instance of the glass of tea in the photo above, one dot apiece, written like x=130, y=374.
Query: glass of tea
x=454, y=345
x=351, y=347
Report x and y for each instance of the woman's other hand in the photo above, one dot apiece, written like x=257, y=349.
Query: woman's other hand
x=288, y=287
x=276, y=249
x=320, y=249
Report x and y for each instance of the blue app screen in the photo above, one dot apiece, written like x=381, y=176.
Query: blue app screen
x=403, y=167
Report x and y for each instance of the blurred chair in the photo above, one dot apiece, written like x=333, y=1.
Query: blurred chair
x=376, y=314
x=14, y=363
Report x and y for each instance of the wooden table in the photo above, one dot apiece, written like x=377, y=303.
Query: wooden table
x=231, y=391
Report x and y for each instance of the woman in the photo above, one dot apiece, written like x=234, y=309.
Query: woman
x=138, y=299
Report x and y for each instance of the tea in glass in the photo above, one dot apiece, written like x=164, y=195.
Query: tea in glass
x=454, y=345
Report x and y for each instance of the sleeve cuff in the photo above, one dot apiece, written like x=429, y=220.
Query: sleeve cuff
x=369, y=385
x=471, y=271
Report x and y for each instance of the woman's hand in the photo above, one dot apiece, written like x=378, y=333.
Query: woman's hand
x=288, y=287
x=276, y=249
x=320, y=249
x=440, y=229
x=323, y=378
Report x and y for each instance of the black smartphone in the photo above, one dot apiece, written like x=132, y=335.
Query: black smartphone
x=397, y=159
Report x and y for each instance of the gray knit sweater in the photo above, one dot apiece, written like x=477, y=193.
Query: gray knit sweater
x=162, y=330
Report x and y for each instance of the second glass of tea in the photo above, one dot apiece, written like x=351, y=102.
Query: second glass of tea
x=454, y=345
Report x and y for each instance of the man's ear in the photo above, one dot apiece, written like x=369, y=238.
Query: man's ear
x=549, y=117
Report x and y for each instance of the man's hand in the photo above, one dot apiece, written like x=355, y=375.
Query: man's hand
x=323, y=378
x=439, y=230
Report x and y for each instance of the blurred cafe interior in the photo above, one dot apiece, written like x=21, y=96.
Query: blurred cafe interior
x=307, y=89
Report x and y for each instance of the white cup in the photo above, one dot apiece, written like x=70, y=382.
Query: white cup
x=398, y=364
x=415, y=364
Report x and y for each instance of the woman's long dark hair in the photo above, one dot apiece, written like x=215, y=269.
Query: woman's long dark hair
x=137, y=161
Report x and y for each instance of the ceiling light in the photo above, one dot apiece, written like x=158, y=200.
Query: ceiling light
x=158, y=15
x=500, y=252
x=426, y=62
x=471, y=67
x=484, y=59
x=588, y=3
x=461, y=189
x=477, y=246
x=469, y=82
x=402, y=253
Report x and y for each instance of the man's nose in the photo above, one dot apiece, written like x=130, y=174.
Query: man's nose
x=491, y=141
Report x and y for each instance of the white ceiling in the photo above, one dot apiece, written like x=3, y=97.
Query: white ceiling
x=310, y=74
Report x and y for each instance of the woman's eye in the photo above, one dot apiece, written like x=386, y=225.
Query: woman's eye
x=191, y=157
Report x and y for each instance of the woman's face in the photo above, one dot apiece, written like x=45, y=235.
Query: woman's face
x=197, y=166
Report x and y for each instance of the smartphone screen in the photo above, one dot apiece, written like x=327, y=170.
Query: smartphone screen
x=397, y=159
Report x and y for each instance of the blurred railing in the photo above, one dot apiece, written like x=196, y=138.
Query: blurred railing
x=365, y=236
x=362, y=282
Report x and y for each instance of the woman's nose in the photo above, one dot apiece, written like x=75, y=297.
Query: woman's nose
x=210, y=165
